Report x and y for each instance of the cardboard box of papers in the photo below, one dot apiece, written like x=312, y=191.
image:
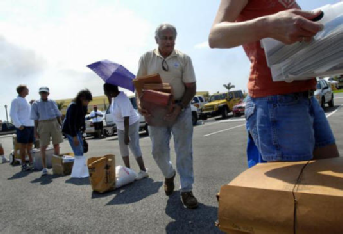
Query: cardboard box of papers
x=285, y=197
x=62, y=164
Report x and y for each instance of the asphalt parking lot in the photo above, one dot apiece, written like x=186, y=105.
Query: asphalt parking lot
x=32, y=204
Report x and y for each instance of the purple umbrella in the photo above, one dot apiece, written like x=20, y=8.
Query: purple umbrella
x=113, y=73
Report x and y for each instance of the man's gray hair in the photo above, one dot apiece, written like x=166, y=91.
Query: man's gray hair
x=162, y=27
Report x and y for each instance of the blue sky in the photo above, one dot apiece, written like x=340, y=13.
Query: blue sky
x=46, y=42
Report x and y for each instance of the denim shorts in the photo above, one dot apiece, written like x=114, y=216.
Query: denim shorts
x=26, y=136
x=287, y=127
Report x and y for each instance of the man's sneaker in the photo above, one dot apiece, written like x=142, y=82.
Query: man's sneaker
x=142, y=174
x=169, y=185
x=24, y=167
x=188, y=200
x=30, y=167
x=4, y=159
x=44, y=172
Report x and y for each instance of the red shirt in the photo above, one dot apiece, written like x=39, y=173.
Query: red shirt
x=260, y=82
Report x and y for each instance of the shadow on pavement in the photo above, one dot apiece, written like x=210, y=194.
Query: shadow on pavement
x=78, y=181
x=200, y=220
x=44, y=180
x=132, y=193
x=19, y=175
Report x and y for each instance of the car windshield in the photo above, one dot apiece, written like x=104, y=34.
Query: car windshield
x=319, y=85
x=134, y=102
x=217, y=97
x=195, y=100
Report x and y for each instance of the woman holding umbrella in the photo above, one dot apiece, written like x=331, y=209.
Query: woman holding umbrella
x=73, y=126
x=127, y=121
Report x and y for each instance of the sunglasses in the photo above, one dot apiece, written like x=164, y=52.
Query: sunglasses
x=165, y=66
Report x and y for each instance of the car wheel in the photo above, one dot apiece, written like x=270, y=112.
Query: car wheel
x=147, y=130
x=225, y=112
x=323, y=103
x=194, y=118
x=203, y=117
x=332, y=102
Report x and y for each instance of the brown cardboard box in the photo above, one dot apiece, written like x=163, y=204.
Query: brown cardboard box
x=285, y=197
x=139, y=82
x=59, y=167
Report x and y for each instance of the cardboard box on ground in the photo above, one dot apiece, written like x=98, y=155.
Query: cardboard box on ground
x=285, y=197
x=62, y=165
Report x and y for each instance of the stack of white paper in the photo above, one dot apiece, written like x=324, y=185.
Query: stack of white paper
x=323, y=56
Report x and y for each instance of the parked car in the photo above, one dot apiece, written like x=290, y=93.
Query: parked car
x=340, y=82
x=195, y=114
x=198, y=101
x=239, y=109
x=324, y=93
x=6, y=127
x=334, y=84
x=221, y=104
x=110, y=128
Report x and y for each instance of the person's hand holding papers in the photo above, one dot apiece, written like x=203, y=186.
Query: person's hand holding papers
x=294, y=25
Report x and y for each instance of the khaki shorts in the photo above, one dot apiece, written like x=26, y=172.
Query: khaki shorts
x=48, y=130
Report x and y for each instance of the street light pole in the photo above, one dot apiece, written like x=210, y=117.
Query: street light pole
x=6, y=113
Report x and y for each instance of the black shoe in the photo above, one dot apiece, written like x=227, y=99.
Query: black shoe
x=169, y=185
x=30, y=167
x=188, y=200
x=24, y=167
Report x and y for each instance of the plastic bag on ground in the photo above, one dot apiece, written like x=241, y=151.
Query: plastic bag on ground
x=80, y=169
x=124, y=176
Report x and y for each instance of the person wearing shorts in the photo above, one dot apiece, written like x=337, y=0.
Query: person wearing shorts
x=284, y=119
x=127, y=121
x=47, y=119
x=20, y=115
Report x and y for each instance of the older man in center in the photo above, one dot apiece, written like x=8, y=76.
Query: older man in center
x=176, y=69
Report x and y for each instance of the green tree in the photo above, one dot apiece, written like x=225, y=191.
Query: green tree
x=61, y=105
x=229, y=86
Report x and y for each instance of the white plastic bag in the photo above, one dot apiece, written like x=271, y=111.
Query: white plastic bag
x=124, y=176
x=80, y=169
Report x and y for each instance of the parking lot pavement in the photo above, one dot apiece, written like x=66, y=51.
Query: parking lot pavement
x=59, y=204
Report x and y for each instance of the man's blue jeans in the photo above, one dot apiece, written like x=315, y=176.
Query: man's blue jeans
x=182, y=132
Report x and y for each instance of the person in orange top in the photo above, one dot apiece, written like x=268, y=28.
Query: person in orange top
x=284, y=120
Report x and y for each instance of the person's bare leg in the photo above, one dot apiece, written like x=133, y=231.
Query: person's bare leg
x=57, y=149
x=43, y=151
x=22, y=151
x=29, y=149
x=329, y=151
x=140, y=162
x=126, y=161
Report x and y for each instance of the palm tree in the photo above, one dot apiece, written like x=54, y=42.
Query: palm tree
x=61, y=105
x=229, y=86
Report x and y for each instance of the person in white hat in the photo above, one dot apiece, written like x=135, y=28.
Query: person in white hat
x=47, y=119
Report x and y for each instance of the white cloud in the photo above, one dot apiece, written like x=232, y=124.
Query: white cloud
x=202, y=45
x=56, y=50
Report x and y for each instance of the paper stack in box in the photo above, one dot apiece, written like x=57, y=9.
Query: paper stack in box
x=62, y=164
x=285, y=197
x=323, y=56
x=156, y=97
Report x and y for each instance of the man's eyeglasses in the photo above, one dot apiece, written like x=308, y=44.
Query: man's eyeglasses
x=165, y=66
